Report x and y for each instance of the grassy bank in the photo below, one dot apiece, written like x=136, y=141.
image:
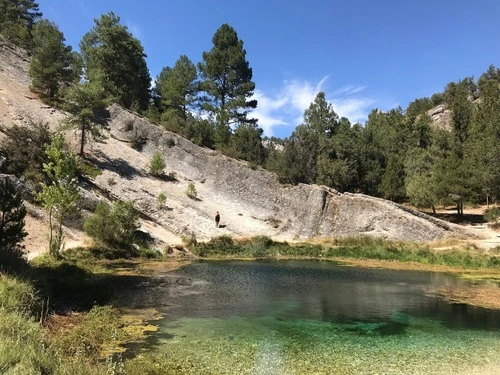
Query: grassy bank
x=352, y=248
x=59, y=318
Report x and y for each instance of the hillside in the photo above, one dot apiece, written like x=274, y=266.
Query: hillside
x=251, y=201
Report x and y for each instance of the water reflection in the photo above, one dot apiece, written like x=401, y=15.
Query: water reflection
x=323, y=291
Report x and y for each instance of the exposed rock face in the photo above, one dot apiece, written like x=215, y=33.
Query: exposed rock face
x=441, y=117
x=251, y=201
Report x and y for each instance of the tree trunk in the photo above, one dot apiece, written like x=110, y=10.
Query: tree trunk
x=82, y=139
x=433, y=209
x=50, y=230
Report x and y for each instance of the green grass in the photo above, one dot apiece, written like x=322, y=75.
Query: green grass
x=88, y=342
x=362, y=247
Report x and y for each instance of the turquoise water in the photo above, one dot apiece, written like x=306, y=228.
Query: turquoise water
x=311, y=317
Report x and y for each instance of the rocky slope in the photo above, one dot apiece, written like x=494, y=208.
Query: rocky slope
x=251, y=201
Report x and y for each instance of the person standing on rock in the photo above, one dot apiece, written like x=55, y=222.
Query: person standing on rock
x=217, y=219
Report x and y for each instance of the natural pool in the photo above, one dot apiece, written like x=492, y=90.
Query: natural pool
x=316, y=317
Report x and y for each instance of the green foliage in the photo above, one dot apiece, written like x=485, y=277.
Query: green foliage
x=24, y=149
x=322, y=150
x=190, y=240
x=362, y=247
x=12, y=213
x=23, y=348
x=482, y=150
x=177, y=88
x=60, y=196
x=17, y=18
x=137, y=140
x=492, y=215
x=87, y=169
x=246, y=143
x=53, y=64
x=226, y=80
x=191, y=191
x=114, y=225
x=115, y=61
x=418, y=107
x=161, y=199
x=420, y=179
x=458, y=95
x=157, y=165
x=149, y=253
x=402, y=155
x=18, y=296
x=392, y=182
x=84, y=340
x=87, y=104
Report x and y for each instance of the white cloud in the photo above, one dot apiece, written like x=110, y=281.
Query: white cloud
x=349, y=90
x=355, y=109
x=265, y=111
x=284, y=109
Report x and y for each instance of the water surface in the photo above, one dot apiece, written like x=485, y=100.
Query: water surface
x=314, y=317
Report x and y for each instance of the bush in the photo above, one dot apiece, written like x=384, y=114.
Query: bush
x=169, y=142
x=87, y=169
x=191, y=191
x=190, y=241
x=161, y=199
x=157, y=164
x=114, y=225
x=17, y=296
x=83, y=339
x=137, y=140
x=149, y=253
x=492, y=216
x=12, y=213
x=24, y=149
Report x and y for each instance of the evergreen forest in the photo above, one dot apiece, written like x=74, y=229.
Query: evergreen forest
x=401, y=154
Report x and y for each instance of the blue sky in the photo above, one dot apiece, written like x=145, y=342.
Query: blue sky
x=363, y=54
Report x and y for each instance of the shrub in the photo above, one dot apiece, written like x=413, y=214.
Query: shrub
x=17, y=296
x=161, y=199
x=114, y=225
x=492, y=216
x=137, y=140
x=12, y=213
x=24, y=149
x=157, y=164
x=129, y=125
x=169, y=142
x=191, y=191
x=149, y=253
x=190, y=240
x=86, y=169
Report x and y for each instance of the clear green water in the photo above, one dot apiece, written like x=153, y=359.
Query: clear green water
x=291, y=317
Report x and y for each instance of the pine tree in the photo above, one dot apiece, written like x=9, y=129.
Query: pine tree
x=53, y=64
x=87, y=105
x=113, y=58
x=17, y=18
x=177, y=87
x=226, y=79
x=157, y=164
